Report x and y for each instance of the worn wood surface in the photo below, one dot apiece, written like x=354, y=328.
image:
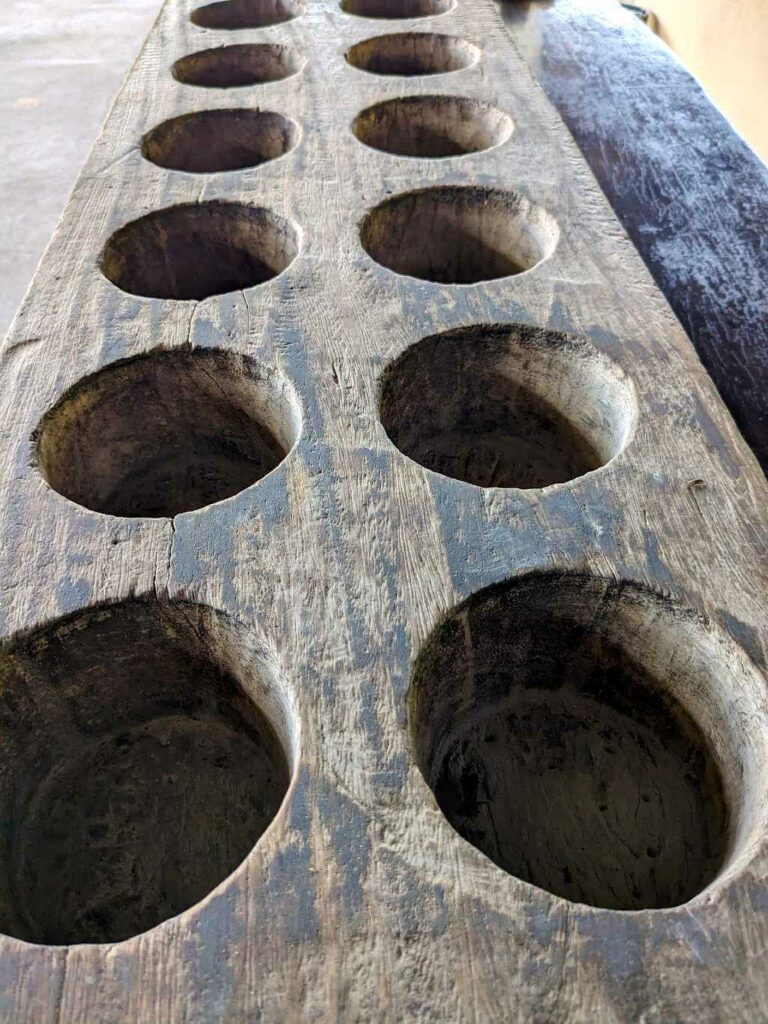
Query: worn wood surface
x=690, y=193
x=361, y=902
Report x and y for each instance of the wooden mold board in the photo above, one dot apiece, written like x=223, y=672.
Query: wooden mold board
x=361, y=901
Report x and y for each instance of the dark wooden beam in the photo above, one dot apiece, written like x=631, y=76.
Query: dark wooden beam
x=691, y=194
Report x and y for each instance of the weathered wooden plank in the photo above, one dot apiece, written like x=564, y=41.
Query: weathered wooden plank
x=689, y=191
x=622, y=659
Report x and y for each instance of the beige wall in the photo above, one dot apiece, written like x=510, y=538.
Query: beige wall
x=725, y=44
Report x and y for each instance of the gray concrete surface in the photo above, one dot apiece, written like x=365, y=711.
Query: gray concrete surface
x=61, y=63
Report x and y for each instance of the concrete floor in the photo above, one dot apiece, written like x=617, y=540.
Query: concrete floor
x=62, y=63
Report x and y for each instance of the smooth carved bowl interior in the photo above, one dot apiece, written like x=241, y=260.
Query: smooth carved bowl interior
x=167, y=432
x=145, y=749
x=239, y=14
x=507, y=406
x=391, y=9
x=412, y=54
x=593, y=739
x=196, y=250
x=432, y=126
x=210, y=141
x=241, y=64
x=461, y=234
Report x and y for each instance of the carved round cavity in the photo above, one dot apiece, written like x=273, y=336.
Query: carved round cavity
x=237, y=14
x=592, y=739
x=459, y=234
x=411, y=54
x=146, y=747
x=432, y=126
x=210, y=141
x=227, y=67
x=167, y=432
x=196, y=250
x=391, y=9
x=507, y=406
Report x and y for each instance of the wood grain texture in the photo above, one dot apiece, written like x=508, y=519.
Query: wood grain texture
x=361, y=902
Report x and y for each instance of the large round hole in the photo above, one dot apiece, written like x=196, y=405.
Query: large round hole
x=501, y=406
x=396, y=8
x=410, y=54
x=226, y=67
x=458, y=234
x=167, y=432
x=145, y=749
x=432, y=126
x=592, y=739
x=219, y=140
x=196, y=250
x=236, y=14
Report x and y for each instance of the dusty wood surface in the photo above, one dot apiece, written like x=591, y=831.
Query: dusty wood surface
x=689, y=191
x=323, y=589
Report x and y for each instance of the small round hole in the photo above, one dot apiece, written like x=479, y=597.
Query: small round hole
x=391, y=9
x=167, y=432
x=591, y=738
x=226, y=67
x=432, y=126
x=197, y=250
x=237, y=14
x=410, y=54
x=219, y=140
x=458, y=234
x=146, y=747
x=501, y=406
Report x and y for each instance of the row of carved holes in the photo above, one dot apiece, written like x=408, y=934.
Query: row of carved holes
x=495, y=406
x=426, y=127
x=251, y=14
x=404, y=54
x=566, y=724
